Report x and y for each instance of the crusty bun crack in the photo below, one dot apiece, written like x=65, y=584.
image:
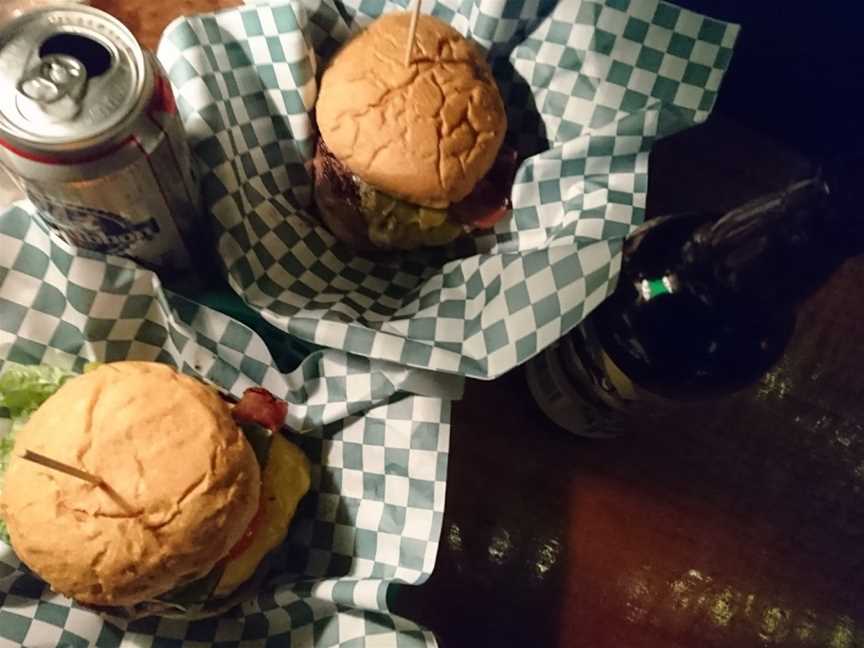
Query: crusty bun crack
x=204, y=504
x=403, y=148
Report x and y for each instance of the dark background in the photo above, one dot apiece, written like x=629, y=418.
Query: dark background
x=798, y=71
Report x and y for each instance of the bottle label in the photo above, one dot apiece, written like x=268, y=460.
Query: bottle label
x=651, y=288
x=623, y=386
x=556, y=394
x=607, y=380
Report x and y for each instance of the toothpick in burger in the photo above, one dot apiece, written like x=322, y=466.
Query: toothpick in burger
x=205, y=488
x=410, y=155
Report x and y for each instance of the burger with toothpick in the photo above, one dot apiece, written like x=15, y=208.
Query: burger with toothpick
x=137, y=490
x=410, y=153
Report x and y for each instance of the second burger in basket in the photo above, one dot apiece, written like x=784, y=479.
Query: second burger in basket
x=410, y=155
x=204, y=489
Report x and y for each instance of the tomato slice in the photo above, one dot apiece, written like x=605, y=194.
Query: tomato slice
x=490, y=218
x=260, y=406
x=246, y=539
x=490, y=200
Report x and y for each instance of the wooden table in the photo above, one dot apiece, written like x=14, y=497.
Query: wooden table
x=738, y=523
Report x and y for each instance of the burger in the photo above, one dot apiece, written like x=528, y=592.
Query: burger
x=410, y=155
x=196, y=491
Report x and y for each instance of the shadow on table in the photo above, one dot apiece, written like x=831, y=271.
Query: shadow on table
x=723, y=525
x=499, y=574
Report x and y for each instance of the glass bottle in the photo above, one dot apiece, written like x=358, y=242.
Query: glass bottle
x=704, y=305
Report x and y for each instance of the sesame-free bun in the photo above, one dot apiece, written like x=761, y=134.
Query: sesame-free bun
x=425, y=133
x=166, y=443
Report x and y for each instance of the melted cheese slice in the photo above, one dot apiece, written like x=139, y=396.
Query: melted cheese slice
x=284, y=482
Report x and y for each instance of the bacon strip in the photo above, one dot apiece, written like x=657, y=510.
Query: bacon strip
x=246, y=539
x=260, y=406
x=489, y=202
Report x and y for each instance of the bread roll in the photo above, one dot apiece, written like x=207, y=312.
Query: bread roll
x=426, y=132
x=168, y=445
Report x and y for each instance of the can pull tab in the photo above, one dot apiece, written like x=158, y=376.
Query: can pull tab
x=53, y=88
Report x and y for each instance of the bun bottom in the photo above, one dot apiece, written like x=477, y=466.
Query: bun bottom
x=211, y=608
x=337, y=197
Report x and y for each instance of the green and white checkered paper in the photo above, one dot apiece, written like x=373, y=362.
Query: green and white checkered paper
x=589, y=86
x=379, y=455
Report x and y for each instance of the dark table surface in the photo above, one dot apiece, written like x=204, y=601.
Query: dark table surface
x=739, y=522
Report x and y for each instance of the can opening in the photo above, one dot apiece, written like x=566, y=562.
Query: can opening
x=92, y=54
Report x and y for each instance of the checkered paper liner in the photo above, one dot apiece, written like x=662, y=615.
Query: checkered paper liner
x=379, y=454
x=589, y=86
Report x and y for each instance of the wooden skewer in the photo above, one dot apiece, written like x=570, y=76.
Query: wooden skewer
x=59, y=466
x=412, y=31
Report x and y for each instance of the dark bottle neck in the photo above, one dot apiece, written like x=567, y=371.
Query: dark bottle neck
x=777, y=249
x=705, y=305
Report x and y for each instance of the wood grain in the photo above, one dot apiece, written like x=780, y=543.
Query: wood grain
x=739, y=522
x=148, y=18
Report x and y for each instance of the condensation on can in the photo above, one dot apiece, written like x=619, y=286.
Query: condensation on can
x=89, y=131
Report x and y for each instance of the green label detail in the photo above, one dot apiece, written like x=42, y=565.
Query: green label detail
x=656, y=287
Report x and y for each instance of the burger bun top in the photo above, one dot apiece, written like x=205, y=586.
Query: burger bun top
x=426, y=132
x=166, y=443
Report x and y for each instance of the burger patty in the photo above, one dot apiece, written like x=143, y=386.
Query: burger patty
x=338, y=199
x=369, y=219
x=339, y=178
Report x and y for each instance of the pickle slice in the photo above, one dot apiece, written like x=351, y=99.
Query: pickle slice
x=396, y=223
x=431, y=218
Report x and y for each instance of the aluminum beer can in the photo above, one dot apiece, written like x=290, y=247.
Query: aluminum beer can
x=89, y=131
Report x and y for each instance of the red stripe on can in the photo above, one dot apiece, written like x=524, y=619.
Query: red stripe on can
x=49, y=159
x=163, y=97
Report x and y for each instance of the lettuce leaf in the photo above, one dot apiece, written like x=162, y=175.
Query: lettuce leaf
x=23, y=388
